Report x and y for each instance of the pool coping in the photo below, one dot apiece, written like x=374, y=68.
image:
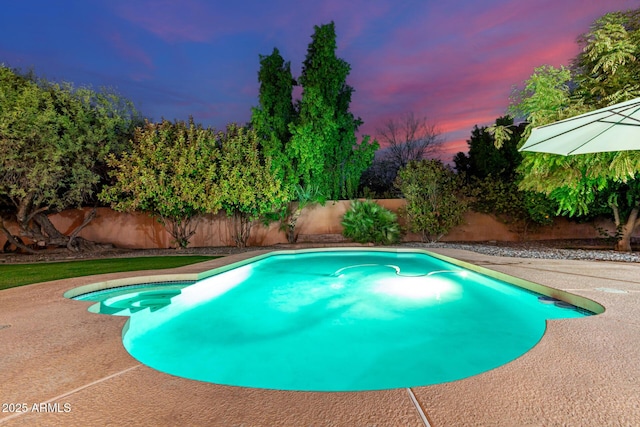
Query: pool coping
x=583, y=372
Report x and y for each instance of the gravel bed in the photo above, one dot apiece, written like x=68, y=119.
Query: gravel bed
x=536, y=251
x=580, y=250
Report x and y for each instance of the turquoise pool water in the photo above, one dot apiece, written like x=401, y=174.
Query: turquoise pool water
x=126, y=300
x=338, y=321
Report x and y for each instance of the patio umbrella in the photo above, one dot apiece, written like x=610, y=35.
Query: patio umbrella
x=613, y=128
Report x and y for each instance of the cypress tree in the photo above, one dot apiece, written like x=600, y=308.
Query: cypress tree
x=323, y=137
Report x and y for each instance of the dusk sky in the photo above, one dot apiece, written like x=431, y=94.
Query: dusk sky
x=453, y=61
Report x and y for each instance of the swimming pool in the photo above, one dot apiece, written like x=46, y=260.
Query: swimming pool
x=342, y=320
x=129, y=299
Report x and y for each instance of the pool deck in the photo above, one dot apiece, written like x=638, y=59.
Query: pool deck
x=67, y=367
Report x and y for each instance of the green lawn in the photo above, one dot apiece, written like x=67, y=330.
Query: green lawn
x=12, y=275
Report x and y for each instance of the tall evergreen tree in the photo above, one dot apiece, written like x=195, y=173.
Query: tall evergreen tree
x=324, y=141
x=272, y=117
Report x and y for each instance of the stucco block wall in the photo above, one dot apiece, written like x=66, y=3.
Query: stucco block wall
x=139, y=230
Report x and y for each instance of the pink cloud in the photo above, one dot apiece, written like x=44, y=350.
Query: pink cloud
x=458, y=69
x=132, y=53
x=465, y=79
x=186, y=20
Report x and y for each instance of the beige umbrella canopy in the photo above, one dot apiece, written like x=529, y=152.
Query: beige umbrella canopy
x=613, y=128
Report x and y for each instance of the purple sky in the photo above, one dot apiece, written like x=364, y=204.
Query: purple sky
x=453, y=61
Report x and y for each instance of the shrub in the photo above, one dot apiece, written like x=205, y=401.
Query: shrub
x=518, y=208
x=368, y=222
x=171, y=173
x=433, y=207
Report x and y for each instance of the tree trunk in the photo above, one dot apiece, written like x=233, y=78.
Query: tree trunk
x=626, y=231
x=75, y=243
x=48, y=233
x=38, y=227
x=292, y=237
x=623, y=244
x=241, y=229
x=181, y=229
x=14, y=240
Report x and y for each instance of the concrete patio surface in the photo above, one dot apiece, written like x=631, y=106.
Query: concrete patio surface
x=63, y=366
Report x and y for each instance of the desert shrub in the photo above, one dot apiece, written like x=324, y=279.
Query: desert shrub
x=433, y=206
x=368, y=222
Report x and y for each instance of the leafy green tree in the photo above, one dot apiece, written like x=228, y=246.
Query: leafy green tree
x=54, y=139
x=545, y=98
x=315, y=158
x=248, y=182
x=368, y=222
x=171, y=173
x=431, y=191
x=606, y=72
x=492, y=179
x=590, y=182
x=607, y=69
x=324, y=143
x=271, y=119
